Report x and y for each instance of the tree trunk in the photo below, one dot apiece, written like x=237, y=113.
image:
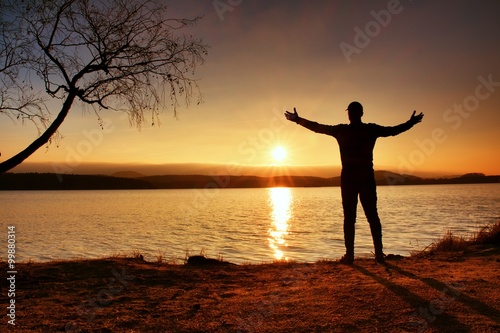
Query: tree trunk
x=43, y=139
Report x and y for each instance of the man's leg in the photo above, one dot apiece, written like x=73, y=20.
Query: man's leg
x=368, y=198
x=349, y=203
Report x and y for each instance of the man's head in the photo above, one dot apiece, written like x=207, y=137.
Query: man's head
x=355, y=111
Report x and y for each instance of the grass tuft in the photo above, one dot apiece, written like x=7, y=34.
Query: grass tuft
x=451, y=243
x=488, y=235
x=160, y=256
x=137, y=255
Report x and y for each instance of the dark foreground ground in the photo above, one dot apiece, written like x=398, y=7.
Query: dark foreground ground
x=447, y=292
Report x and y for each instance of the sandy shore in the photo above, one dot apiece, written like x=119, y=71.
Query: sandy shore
x=450, y=292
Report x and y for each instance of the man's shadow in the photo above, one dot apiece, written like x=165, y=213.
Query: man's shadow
x=476, y=305
x=432, y=312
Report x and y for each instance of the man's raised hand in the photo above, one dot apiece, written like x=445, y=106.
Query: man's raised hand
x=415, y=119
x=292, y=116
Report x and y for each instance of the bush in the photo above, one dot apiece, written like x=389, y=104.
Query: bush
x=488, y=235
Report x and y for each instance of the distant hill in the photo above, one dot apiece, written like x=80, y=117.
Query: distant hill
x=129, y=169
x=202, y=181
x=51, y=181
x=127, y=174
x=381, y=178
x=390, y=178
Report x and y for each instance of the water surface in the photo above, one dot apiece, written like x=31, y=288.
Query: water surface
x=241, y=225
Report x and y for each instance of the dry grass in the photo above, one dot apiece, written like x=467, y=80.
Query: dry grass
x=451, y=242
x=126, y=293
x=130, y=295
x=487, y=235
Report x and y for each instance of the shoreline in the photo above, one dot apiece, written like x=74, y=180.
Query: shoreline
x=451, y=286
x=454, y=291
x=155, y=258
x=490, y=231
x=52, y=181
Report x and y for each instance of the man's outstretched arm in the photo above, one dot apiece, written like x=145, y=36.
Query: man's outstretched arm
x=310, y=125
x=395, y=130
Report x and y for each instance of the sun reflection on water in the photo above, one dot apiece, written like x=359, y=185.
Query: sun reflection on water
x=280, y=199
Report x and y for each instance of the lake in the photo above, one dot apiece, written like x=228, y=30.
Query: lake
x=240, y=225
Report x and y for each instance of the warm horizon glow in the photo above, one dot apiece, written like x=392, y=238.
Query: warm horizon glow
x=259, y=66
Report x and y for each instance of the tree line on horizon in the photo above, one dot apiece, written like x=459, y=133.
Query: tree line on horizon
x=52, y=181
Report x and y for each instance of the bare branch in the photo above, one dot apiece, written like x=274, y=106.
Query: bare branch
x=115, y=54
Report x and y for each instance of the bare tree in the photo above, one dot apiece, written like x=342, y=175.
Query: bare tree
x=18, y=100
x=108, y=54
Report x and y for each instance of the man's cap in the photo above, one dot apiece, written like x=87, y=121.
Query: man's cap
x=355, y=106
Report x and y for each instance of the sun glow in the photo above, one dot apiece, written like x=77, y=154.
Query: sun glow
x=279, y=153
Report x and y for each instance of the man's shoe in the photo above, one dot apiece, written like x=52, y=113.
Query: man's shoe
x=347, y=259
x=380, y=258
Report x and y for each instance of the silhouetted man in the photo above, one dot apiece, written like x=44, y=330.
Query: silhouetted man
x=356, y=141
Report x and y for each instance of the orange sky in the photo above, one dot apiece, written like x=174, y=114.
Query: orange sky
x=269, y=56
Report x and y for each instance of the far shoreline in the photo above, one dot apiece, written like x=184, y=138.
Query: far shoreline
x=52, y=181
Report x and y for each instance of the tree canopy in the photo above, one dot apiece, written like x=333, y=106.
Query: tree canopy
x=122, y=55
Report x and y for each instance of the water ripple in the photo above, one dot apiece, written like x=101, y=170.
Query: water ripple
x=242, y=225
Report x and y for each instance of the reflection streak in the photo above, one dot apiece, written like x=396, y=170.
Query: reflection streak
x=280, y=199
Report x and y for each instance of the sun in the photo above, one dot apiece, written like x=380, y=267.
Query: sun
x=279, y=153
